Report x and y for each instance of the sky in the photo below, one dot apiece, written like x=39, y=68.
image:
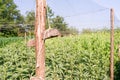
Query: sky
x=80, y=14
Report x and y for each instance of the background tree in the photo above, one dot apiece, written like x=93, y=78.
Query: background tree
x=9, y=12
x=12, y=23
x=30, y=18
x=73, y=31
x=49, y=17
x=9, y=17
x=30, y=22
x=59, y=23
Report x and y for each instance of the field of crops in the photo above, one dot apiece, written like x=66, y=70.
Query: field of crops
x=6, y=41
x=83, y=57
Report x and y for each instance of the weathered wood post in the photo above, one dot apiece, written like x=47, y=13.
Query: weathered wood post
x=119, y=50
x=25, y=37
x=39, y=42
x=112, y=45
x=39, y=33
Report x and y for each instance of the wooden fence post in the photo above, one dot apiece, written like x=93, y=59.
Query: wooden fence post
x=112, y=45
x=39, y=42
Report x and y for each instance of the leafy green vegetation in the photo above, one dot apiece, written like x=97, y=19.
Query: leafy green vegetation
x=83, y=57
x=6, y=41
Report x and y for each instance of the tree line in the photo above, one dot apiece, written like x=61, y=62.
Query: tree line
x=12, y=23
